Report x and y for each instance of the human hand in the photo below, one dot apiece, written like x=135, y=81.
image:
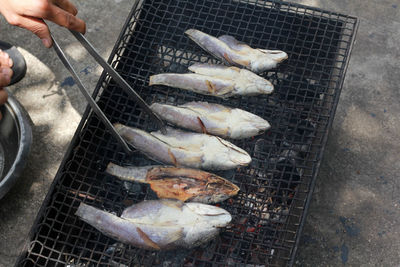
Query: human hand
x=30, y=14
x=5, y=76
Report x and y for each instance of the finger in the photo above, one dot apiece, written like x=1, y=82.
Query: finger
x=5, y=76
x=65, y=19
x=3, y=96
x=3, y=99
x=5, y=60
x=66, y=5
x=37, y=26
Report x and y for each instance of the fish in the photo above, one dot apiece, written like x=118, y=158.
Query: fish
x=215, y=80
x=159, y=224
x=185, y=149
x=233, y=52
x=178, y=183
x=213, y=119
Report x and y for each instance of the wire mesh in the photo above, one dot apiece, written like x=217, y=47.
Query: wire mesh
x=268, y=213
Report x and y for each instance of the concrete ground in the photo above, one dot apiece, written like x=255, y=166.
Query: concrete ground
x=354, y=217
x=55, y=106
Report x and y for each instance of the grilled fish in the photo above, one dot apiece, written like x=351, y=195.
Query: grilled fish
x=181, y=148
x=233, y=52
x=159, y=224
x=178, y=183
x=213, y=119
x=215, y=80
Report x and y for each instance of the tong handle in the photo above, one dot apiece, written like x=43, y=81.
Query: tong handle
x=120, y=81
x=89, y=98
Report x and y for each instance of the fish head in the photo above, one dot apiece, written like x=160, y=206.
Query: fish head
x=254, y=84
x=267, y=59
x=261, y=86
x=216, y=192
x=212, y=215
x=236, y=155
x=221, y=188
x=277, y=55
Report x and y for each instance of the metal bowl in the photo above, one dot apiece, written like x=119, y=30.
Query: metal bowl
x=15, y=143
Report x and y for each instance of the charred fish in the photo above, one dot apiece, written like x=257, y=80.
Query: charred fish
x=178, y=183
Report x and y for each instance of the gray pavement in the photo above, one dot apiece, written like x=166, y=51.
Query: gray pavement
x=355, y=212
x=354, y=217
x=55, y=106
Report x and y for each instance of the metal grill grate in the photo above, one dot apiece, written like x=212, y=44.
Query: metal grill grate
x=268, y=214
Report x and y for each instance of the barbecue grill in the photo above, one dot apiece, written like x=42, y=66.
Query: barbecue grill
x=275, y=190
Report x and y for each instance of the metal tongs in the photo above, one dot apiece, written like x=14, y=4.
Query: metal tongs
x=120, y=81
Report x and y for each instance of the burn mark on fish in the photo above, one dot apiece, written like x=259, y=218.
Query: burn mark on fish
x=173, y=158
x=147, y=239
x=228, y=59
x=202, y=126
x=211, y=87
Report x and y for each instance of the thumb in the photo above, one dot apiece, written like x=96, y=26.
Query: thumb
x=5, y=77
x=3, y=96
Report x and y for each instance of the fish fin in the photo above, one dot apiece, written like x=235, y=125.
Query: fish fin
x=203, y=127
x=173, y=158
x=211, y=87
x=243, y=63
x=226, y=91
x=266, y=51
x=172, y=203
x=235, y=69
x=228, y=59
x=151, y=81
x=174, y=236
x=231, y=146
x=233, y=43
x=147, y=239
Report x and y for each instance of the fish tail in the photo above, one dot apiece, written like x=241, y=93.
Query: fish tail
x=113, y=226
x=153, y=79
x=137, y=174
x=118, y=126
x=183, y=81
x=103, y=221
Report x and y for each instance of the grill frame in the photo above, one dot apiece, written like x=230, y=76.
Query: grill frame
x=105, y=82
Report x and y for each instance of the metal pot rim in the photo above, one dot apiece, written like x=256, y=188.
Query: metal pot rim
x=24, y=145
